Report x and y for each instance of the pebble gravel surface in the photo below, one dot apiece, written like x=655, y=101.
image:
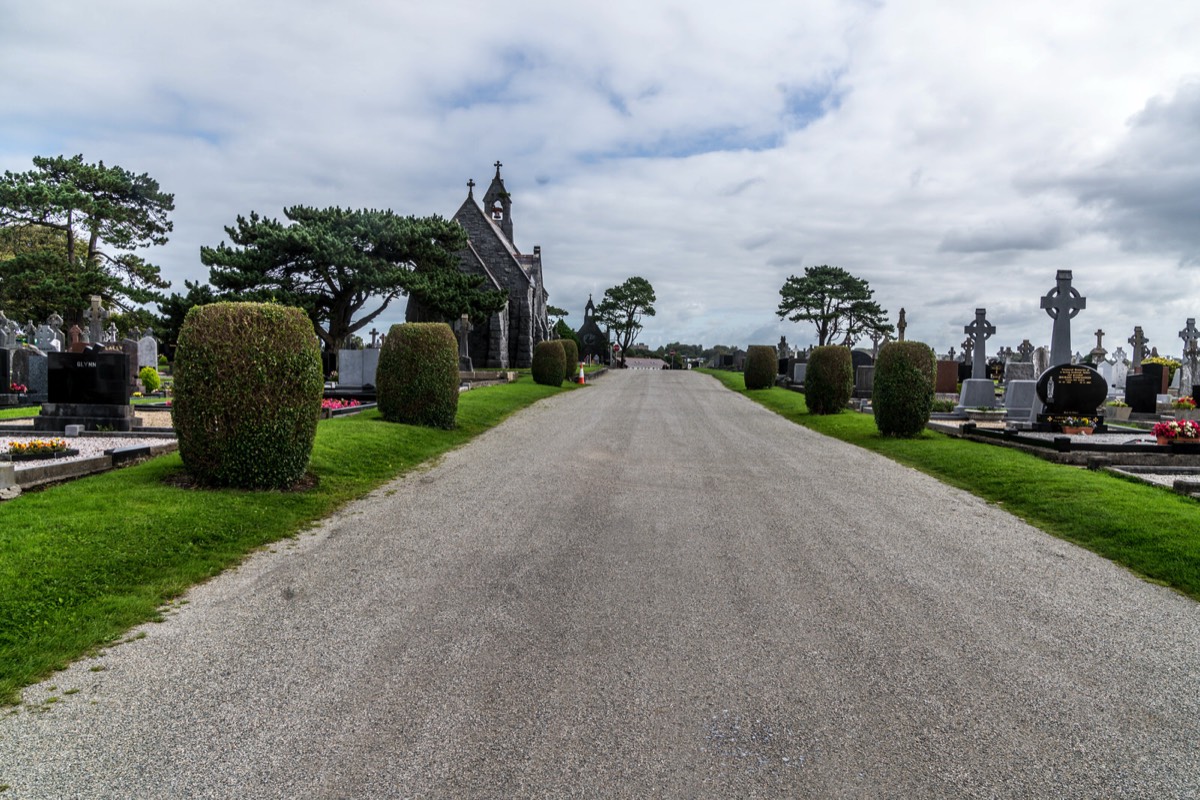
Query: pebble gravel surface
x=651, y=587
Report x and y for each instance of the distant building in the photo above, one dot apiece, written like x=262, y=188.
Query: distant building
x=593, y=341
x=507, y=340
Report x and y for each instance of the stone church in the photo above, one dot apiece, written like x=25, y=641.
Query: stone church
x=506, y=341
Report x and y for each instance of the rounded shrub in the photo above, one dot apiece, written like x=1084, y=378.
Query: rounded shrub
x=549, y=363
x=829, y=379
x=148, y=376
x=905, y=375
x=247, y=394
x=570, y=358
x=416, y=381
x=761, y=365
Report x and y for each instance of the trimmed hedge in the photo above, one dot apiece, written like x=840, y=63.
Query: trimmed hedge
x=829, y=379
x=417, y=379
x=762, y=363
x=549, y=363
x=247, y=394
x=905, y=375
x=570, y=359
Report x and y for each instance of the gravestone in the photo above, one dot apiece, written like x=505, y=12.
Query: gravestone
x=1191, y=357
x=1141, y=392
x=357, y=368
x=1119, y=369
x=90, y=388
x=799, y=371
x=29, y=368
x=147, y=352
x=1098, y=352
x=1072, y=389
x=462, y=329
x=1138, y=341
x=1041, y=360
x=1018, y=371
x=1025, y=351
x=947, y=377
x=901, y=326
x=864, y=382
x=77, y=342
x=95, y=316
x=1062, y=303
x=978, y=391
x=1019, y=397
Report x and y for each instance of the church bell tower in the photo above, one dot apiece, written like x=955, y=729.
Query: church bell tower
x=497, y=204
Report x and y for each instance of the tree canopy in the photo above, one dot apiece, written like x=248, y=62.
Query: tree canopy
x=71, y=230
x=344, y=267
x=623, y=307
x=838, y=303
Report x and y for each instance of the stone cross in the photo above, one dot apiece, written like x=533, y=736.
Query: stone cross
x=111, y=332
x=1138, y=340
x=76, y=336
x=950, y=355
x=981, y=330
x=462, y=328
x=1062, y=303
x=1026, y=348
x=471, y=188
x=1098, y=352
x=374, y=337
x=968, y=350
x=878, y=339
x=1118, y=355
x=1191, y=348
x=901, y=325
x=95, y=317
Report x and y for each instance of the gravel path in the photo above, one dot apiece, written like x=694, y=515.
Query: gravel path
x=648, y=588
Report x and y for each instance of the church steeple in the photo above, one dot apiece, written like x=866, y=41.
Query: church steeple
x=497, y=204
x=589, y=310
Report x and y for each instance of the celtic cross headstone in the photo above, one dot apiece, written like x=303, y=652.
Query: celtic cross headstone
x=981, y=330
x=1062, y=303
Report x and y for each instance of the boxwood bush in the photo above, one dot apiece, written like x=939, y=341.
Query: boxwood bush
x=416, y=381
x=549, y=363
x=570, y=359
x=247, y=394
x=905, y=375
x=829, y=380
x=149, y=378
x=762, y=363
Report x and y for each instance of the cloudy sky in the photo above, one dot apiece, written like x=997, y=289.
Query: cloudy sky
x=953, y=154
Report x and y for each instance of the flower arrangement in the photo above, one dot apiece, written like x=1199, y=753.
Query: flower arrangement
x=330, y=403
x=1078, y=422
x=19, y=388
x=1184, y=403
x=38, y=447
x=1177, y=429
x=1117, y=403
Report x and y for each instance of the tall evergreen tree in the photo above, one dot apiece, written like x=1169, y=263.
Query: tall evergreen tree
x=72, y=229
x=838, y=303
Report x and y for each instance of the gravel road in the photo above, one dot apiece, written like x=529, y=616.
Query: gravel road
x=648, y=588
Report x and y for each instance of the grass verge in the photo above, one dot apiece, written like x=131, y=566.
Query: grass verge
x=1150, y=530
x=82, y=562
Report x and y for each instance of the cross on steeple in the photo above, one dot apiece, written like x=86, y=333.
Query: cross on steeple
x=471, y=188
x=498, y=165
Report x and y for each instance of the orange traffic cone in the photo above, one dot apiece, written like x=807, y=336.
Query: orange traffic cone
x=581, y=381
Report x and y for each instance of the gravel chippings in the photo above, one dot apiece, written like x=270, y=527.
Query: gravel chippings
x=651, y=587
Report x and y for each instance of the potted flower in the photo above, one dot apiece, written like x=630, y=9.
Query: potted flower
x=1074, y=426
x=1177, y=431
x=1185, y=407
x=17, y=388
x=1117, y=410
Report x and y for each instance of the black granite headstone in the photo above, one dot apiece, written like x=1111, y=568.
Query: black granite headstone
x=100, y=378
x=1158, y=374
x=5, y=374
x=1141, y=393
x=1072, y=389
x=861, y=358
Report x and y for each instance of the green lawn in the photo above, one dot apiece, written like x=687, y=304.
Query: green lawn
x=1148, y=529
x=82, y=562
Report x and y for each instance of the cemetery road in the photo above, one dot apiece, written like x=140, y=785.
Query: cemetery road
x=651, y=587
